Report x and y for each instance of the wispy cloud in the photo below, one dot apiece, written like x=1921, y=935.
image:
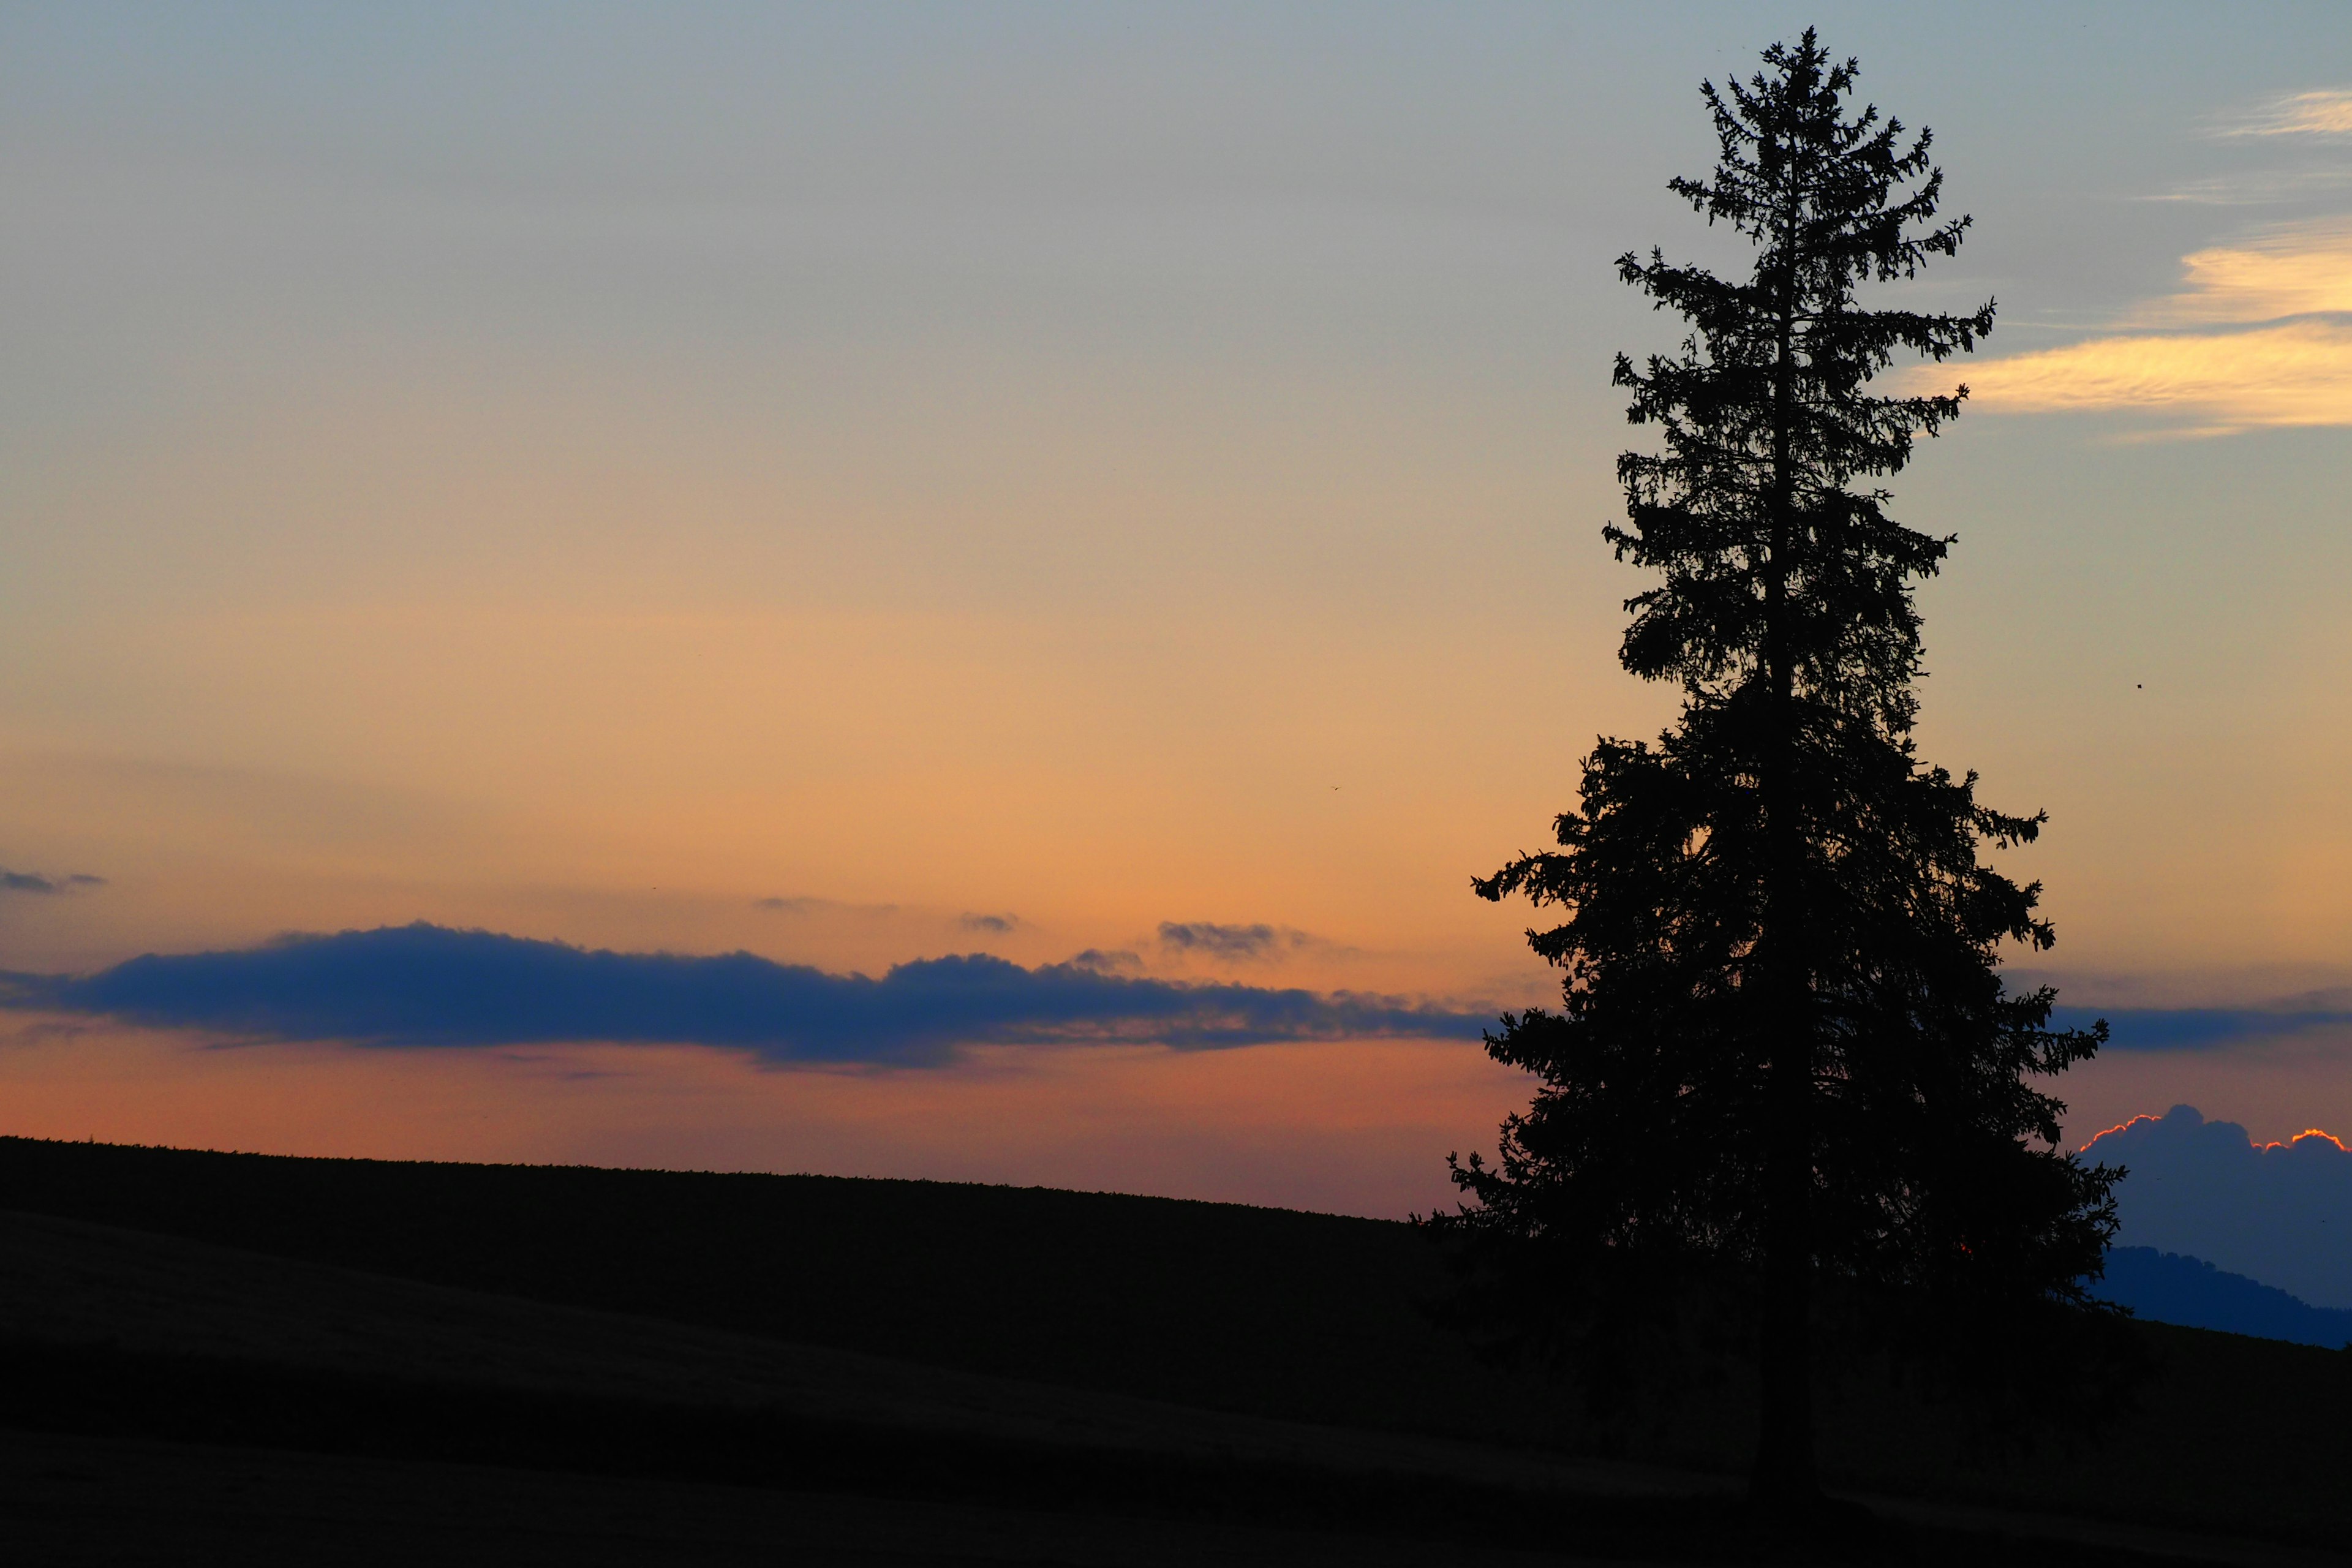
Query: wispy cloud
x=2259, y=335
x=2325, y=112
x=809, y=905
x=425, y=985
x=2256, y=187
x=33, y=882
x=995, y=925
x=2298, y=135
x=1212, y=940
x=2293, y=374
x=2287, y=270
x=2209, y=1028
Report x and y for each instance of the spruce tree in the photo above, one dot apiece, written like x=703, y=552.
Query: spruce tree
x=1784, y=1049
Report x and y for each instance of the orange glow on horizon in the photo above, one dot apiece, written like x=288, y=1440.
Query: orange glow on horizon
x=1344, y=1126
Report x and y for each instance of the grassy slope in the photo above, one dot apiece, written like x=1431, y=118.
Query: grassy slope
x=70, y=1502
x=125, y=1338
x=1308, y=1317
x=72, y=1291
x=1255, y=1310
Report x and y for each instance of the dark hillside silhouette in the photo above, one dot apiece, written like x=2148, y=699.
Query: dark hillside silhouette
x=1214, y=1304
x=1783, y=1049
x=111, y=1332
x=760, y=1301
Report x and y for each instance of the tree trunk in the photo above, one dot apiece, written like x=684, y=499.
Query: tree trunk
x=1783, y=1476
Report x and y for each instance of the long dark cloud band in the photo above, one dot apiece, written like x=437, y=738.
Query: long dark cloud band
x=2200, y=1029
x=429, y=985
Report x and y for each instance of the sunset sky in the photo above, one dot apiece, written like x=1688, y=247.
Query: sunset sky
x=1113, y=489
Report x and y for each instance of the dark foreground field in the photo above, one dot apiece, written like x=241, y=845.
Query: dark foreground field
x=211, y=1357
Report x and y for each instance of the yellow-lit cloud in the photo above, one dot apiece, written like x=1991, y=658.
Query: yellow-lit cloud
x=2325, y=113
x=2294, y=270
x=2294, y=373
x=2259, y=335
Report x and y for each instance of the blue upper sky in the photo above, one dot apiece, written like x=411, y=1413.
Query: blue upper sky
x=779, y=479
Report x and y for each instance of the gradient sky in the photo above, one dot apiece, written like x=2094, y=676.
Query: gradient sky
x=856, y=485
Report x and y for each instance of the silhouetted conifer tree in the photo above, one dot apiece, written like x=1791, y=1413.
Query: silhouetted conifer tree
x=1784, y=1046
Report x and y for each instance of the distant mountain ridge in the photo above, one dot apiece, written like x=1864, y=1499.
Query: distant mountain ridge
x=2169, y=1288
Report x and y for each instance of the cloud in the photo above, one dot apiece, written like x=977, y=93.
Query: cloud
x=32, y=883
x=998, y=924
x=2328, y=113
x=2286, y=270
x=2259, y=335
x=1230, y=941
x=2205, y=383
x=2257, y=188
x=2277, y=1213
x=806, y=906
x=2300, y=132
x=425, y=985
x=2205, y=1028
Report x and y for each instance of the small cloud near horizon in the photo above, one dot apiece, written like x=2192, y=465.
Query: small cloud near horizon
x=999, y=925
x=809, y=905
x=1231, y=942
